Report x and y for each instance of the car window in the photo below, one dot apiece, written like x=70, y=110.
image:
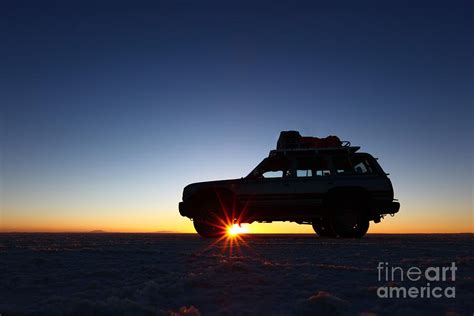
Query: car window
x=273, y=174
x=342, y=164
x=277, y=167
x=322, y=168
x=312, y=166
x=362, y=165
x=300, y=173
x=320, y=173
x=353, y=165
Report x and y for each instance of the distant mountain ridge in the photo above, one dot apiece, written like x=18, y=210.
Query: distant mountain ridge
x=100, y=231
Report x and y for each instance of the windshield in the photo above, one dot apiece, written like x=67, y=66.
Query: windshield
x=275, y=167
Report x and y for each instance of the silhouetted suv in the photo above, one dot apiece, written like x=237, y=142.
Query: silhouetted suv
x=307, y=180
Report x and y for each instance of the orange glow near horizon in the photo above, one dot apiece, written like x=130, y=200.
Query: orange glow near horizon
x=149, y=222
x=417, y=215
x=255, y=228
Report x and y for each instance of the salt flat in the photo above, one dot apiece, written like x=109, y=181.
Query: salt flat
x=125, y=274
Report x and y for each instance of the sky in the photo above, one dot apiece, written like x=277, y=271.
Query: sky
x=109, y=109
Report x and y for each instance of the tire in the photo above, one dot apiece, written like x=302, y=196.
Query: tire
x=324, y=228
x=350, y=224
x=208, y=230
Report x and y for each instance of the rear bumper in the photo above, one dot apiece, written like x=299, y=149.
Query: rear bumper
x=386, y=207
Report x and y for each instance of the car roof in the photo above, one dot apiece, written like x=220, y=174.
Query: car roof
x=295, y=152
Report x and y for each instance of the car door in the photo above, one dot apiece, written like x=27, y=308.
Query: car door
x=313, y=178
x=269, y=191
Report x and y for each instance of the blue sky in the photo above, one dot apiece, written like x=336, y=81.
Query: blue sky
x=109, y=110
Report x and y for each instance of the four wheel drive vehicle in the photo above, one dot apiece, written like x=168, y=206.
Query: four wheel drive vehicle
x=319, y=181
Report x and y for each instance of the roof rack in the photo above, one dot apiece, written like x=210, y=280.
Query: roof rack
x=277, y=152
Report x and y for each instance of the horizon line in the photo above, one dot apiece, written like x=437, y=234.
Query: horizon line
x=194, y=233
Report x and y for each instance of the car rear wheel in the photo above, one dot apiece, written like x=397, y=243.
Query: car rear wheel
x=324, y=228
x=208, y=230
x=350, y=224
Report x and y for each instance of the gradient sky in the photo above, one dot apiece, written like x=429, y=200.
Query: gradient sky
x=108, y=110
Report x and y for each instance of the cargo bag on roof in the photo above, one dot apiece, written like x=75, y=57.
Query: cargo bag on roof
x=293, y=140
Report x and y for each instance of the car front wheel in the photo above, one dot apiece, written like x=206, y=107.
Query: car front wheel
x=208, y=230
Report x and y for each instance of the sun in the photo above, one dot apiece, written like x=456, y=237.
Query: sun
x=235, y=230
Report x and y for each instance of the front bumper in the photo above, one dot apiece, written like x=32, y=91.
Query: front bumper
x=183, y=208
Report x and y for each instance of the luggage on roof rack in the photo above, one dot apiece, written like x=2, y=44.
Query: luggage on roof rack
x=293, y=140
